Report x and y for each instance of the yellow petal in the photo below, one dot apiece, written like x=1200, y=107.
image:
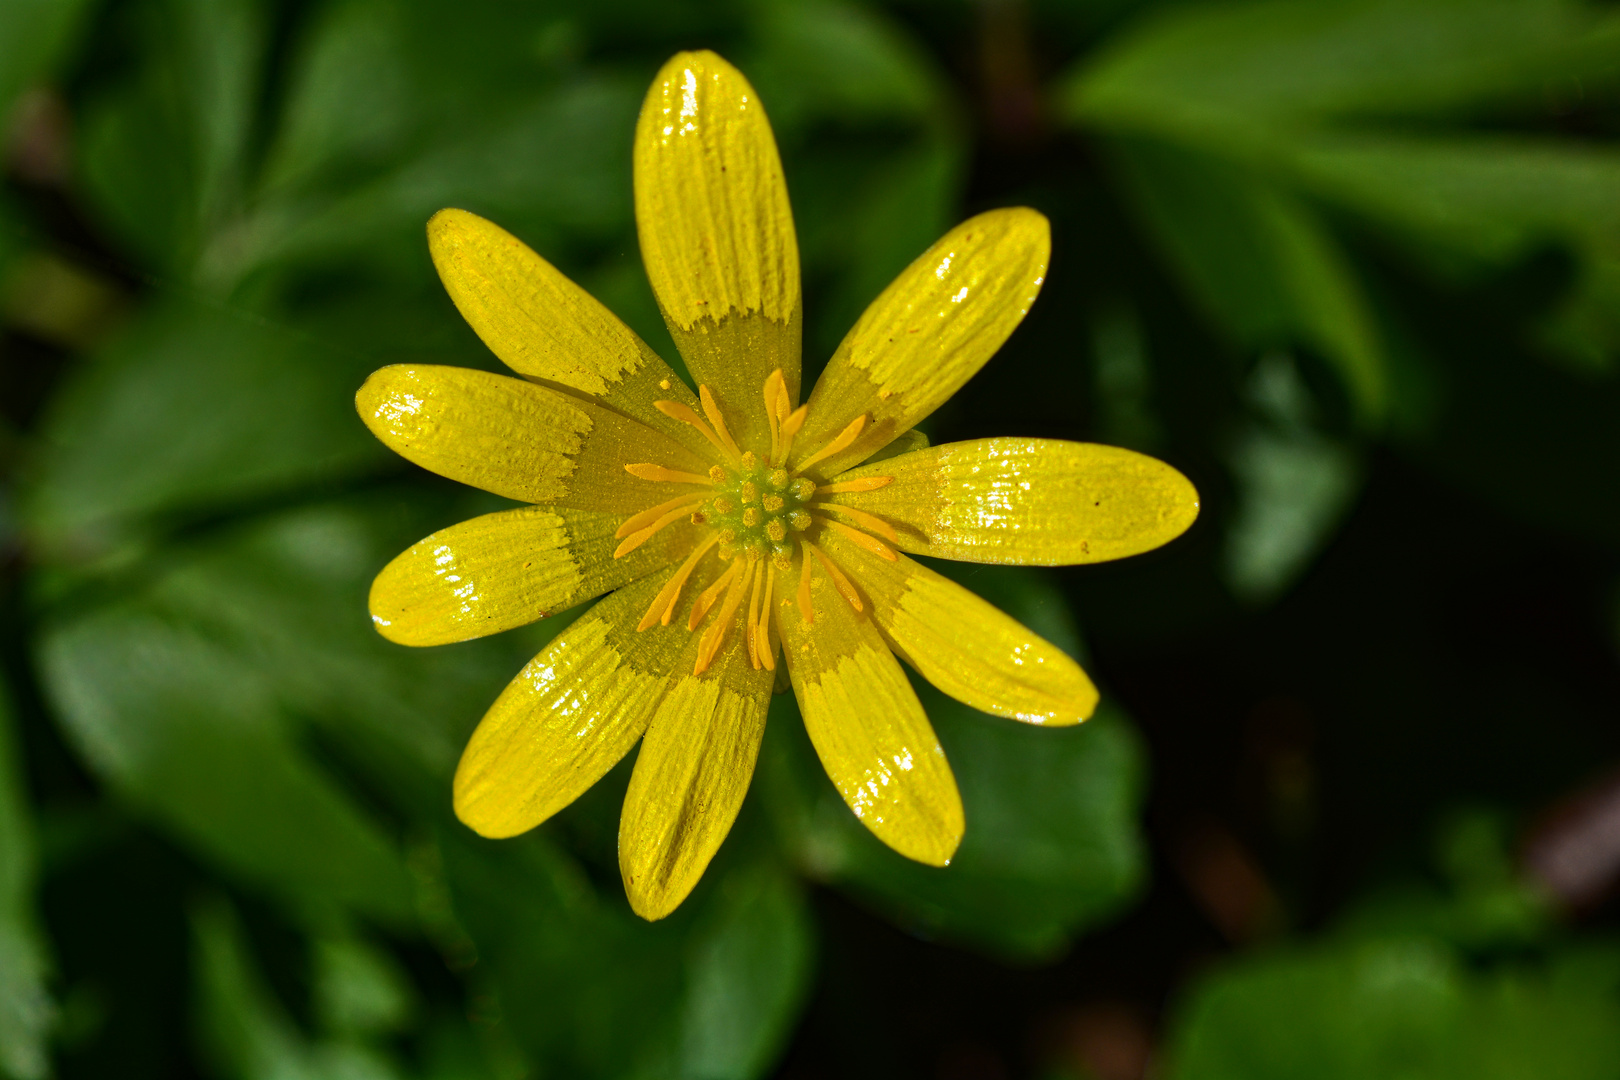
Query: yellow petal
x=568, y=717
x=546, y=327
x=966, y=647
x=1028, y=501
x=717, y=235
x=517, y=439
x=508, y=569
x=868, y=727
x=694, y=766
x=927, y=334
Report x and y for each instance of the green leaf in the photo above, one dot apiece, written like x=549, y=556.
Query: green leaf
x=189, y=731
x=1052, y=844
x=748, y=968
x=245, y=1029
x=26, y=1011
x=1294, y=484
x=34, y=36
x=1380, y=1008
x=1490, y=200
x=165, y=156
x=589, y=989
x=191, y=409
x=549, y=167
x=1259, y=261
x=1242, y=75
x=882, y=73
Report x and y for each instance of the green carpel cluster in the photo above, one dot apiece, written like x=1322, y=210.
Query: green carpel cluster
x=756, y=508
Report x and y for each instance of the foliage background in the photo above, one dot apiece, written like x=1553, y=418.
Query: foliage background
x=1352, y=265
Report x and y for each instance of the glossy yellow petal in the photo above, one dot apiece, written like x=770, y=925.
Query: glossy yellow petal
x=1028, y=501
x=568, y=717
x=517, y=439
x=508, y=569
x=868, y=727
x=717, y=235
x=691, y=774
x=929, y=332
x=965, y=646
x=544, y=326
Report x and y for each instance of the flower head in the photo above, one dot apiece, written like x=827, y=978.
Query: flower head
x=735, y=528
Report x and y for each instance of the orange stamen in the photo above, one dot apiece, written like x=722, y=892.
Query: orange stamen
x=766, y=654
x=708, y=596
x=865, y=483
x=869, y=522
x=641, y=536
x=653, y=513
x=686, y=415
x=752, y=624
x=711, y=409
x=715, y=635
x=840, y=582
x=658, y=473
x=842, y=442
x=865, y=540
x=663, y=605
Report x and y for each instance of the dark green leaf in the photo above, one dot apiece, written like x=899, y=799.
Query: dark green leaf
x=189, y=731
x=26, y=1011
x=193, y=408
x=1260, y=261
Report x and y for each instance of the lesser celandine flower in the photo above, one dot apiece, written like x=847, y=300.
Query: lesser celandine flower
x=736, y=528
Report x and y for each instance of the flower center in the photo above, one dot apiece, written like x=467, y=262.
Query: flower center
x=756, y=509
x=757, y=513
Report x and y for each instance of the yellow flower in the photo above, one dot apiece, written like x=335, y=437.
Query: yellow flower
x=734, y=527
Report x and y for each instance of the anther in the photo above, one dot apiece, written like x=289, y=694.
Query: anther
x=717, y=473
x=749, y=460
x=778, y=478
x=748, y=492
x=723, y=506
x=776, y=530
x=803, y=488
x=751, y=516
x=800, y=520
x=772, y=503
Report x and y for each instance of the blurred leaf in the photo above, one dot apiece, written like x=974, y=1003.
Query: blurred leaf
x=1051, y=845
x=882, y=74
x=1380, y=1008
x=1491, y=200
x=1251, y=74
x=246, y=1030
x=192, y=408
x=360, y=990
x=747, y=971
x=26, y=1011
x=1259, y=261
x=33, y=36
x=547, y=168
x=1294, y=484
x=589, y=989
x=165, y=158
x=350, y=102
x=189, y=731
x=1270, y=99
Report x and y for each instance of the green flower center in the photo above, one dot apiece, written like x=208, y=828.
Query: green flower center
x=756, y=508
